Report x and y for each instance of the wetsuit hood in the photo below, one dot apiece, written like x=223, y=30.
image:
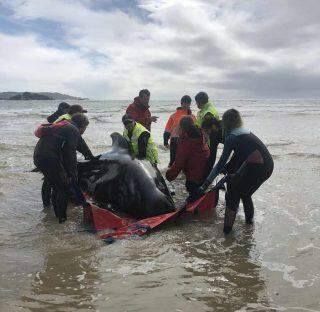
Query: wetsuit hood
x=239, y=131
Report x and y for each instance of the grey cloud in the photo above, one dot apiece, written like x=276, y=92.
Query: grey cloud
x=281, y=24
x=170, y=65
x=199, y=50
x=279, y=36
x=224, y=60
x=286, y=82
x=178, y=46
x=204, y=51
x=94, y=88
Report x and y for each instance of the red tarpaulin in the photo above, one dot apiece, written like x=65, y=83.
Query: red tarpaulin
x=102, y=219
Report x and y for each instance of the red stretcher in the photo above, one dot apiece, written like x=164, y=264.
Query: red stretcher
x=100, y=219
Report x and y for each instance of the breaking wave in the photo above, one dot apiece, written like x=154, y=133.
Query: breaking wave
x=280, y=144
x=297, y=155
x=304, y=155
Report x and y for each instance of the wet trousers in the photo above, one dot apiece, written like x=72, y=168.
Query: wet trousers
x=56, y=175
x=173, y=150
x=46, y=192
x=214, y=142
x=241, y=187
x=193, y=190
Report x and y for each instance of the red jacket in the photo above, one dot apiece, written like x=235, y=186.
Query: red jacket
x=140, y=114
x=192, y=158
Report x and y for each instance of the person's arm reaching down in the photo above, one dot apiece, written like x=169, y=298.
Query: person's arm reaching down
x=228, y=148
x=179, y=163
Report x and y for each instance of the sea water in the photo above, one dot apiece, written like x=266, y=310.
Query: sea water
x=188, y=265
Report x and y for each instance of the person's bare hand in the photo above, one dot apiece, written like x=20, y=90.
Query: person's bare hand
x=154, y=118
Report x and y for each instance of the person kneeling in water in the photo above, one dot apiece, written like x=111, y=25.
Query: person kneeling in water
x=192, y=157
x=250, y=166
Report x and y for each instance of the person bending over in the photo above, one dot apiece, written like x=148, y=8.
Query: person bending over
x=249, y=167
x=64, y=112
x=55, y=155
x=172, y=127
x=46, y=189
x=140, y=140
x=73, y=109
x=82, y=147
x=191, y=158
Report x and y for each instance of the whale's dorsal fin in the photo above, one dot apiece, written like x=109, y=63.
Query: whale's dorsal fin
x=118, y=141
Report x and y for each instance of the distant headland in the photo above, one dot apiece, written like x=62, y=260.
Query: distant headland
x=37, y=96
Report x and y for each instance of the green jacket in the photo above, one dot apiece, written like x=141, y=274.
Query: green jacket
x=152, y=151
x=207, y=108
x=63, y=117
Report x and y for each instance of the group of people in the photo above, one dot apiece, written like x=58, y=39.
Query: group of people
x=192, y=139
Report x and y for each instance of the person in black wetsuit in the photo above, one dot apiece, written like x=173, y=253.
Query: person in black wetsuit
x=56, y=157
x=83, y=148
x=46, y=189
x=250, y=166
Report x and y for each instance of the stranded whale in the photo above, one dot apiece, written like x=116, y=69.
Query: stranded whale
x=126, y=185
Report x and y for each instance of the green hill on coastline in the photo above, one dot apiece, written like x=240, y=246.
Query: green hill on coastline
x=36, y=96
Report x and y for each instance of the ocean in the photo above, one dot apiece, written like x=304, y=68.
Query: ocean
x=188, y=265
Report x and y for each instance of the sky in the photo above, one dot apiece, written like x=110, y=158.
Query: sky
x=110, y=49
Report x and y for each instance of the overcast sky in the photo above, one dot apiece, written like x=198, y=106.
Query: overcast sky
x=110, y=49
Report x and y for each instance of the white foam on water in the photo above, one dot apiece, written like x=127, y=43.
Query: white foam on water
x=287, y=273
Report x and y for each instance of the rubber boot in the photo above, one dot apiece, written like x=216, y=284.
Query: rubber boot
x=229, y=217
x=62, y=220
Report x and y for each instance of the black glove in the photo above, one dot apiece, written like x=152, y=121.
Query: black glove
x=200, y=192
x=166, y=137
